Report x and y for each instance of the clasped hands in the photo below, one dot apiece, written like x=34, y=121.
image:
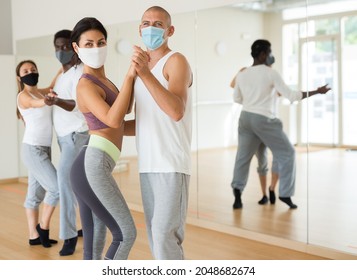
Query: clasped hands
x=140, y=61
x=51, y=98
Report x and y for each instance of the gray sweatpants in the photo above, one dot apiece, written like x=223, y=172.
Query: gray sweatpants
x=101, y=206
x=165, y=200
x=252, y=131
x=42, y=176
x=70, y=145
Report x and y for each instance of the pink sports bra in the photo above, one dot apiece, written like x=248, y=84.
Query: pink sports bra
x=92, y=121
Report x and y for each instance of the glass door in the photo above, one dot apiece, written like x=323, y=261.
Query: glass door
x=349, y=85
x=320, y=114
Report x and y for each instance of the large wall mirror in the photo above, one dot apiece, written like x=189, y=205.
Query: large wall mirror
x=314, y=43
x=224, y=38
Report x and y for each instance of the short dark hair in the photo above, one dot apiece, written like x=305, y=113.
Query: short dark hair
x=85, y=24
x=65, y=33
x=259, y=46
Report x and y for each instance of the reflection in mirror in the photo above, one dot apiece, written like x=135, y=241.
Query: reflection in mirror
x=217, y=142
x=309, y=53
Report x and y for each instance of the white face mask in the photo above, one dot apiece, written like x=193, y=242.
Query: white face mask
x=93, y=57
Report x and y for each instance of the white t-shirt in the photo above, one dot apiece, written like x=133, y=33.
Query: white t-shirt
x=66, y=122
x=254, y=89
x=38, y=125
x=163, y=144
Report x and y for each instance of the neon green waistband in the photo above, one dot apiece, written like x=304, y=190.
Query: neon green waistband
x=105, y=145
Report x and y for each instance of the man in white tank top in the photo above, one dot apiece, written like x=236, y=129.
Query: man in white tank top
x=163, y=120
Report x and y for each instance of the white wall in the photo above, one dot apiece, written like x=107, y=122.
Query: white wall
x=5, y=27
x=217, y=115
x=8, y=122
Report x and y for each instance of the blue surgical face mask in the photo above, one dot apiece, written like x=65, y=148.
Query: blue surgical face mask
x=270, y=60
x=153, y=37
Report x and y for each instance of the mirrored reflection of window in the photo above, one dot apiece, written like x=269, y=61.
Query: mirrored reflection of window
x=291, y=54
x=349, y=86
x=330, y=7
x=328, y=43
x=325, y=26
x=318, y=114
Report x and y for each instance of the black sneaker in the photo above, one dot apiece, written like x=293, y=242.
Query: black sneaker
x=44, y=236
x=37, y=241
x=289, y=202
x=237, y=201
x=272, y=197
x=263, y=201
x=69, y=246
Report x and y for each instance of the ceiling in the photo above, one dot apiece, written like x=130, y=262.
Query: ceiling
x=277, y=5
x=36, y=18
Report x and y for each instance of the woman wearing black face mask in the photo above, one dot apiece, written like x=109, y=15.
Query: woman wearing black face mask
x=36, y=112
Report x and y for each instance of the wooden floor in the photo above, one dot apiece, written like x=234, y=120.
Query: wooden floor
x=200, y=244
x=325, y=193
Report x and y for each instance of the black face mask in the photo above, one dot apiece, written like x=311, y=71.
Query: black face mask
x=30, y=79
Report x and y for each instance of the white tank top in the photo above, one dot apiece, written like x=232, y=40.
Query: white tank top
x=38, y=125
x=163, y=145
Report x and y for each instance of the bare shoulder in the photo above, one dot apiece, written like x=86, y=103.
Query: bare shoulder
x=81, y=84
x=178, y=58
x=88, y=93
x=178, y=62
x=178, y=69
x=23, y=95
x=86, y=86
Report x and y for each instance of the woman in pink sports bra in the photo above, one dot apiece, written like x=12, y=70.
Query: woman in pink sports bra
x=101, y=203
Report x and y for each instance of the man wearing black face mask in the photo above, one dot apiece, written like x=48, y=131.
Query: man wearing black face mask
x=259, y=124
x=72, y=133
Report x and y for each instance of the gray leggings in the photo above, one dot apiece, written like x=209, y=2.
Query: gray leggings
x=101, y=206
